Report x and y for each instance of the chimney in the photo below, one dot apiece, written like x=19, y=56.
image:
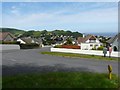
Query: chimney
x=83, y=35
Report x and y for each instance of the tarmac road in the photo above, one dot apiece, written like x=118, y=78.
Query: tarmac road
x=32, y=61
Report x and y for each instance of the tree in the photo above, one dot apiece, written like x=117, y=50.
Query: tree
x=36, y=34
x=28, y=33
x=68, y=41
x=77, y=34
x=44, y=32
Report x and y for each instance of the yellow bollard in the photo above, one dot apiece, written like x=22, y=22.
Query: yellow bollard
x=110, y=71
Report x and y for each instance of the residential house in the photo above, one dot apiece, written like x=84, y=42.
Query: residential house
x=38, y=41
x=88, y=42
x=6, y=36
x=63, y=40
x=114, y=42
x=28, y=40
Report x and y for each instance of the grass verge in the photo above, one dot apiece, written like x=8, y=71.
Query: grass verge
x=79, y=55
x=60, y=80
x=1, y=83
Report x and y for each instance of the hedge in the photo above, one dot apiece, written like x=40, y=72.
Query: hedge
x=100, y=48
x=58, y=46
x=29, y=46
x=9, y=42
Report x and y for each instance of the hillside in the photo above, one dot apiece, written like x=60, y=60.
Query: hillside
x=12, y=30
x=41, y=32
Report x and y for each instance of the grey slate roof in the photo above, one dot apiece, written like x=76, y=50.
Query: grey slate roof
x=113, y=38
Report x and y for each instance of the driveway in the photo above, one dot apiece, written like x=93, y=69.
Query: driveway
x=31, y=61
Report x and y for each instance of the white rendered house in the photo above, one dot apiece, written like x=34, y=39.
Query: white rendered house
x=21, y=41
x=88, y=42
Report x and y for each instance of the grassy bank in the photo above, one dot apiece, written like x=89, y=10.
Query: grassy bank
x=79, y=55
x=1, y=83
x=60, y=80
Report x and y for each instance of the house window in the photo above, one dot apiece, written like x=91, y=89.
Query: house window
x=92, y=41
x=96, y=45
x=91, y=45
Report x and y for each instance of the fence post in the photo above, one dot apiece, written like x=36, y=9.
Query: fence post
x=110, y=71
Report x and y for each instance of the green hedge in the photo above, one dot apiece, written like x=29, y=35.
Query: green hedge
x=58, y=46
x=100, y=48
x=9, y=42
x=29, y=46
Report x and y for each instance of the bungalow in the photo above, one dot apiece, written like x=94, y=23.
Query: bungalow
x=114, y=42
x=88, y=42
x=6, y=36
x=28, y=40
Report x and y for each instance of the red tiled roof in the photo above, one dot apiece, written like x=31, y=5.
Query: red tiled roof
x=3, y=35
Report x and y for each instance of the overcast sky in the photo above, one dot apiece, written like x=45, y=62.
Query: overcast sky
x=74, y=16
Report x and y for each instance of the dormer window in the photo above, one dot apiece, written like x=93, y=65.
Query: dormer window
x=92, y=39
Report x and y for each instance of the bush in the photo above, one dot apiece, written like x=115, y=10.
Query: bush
x=9, y=42
x=93, y=48
x=68, y=42
x=100, y=48
x=57, y=46
x=29, y=46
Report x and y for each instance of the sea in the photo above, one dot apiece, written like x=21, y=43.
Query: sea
x=106, y=34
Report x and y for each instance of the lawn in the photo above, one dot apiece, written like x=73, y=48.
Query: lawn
x=60, y=80
x=71, y=55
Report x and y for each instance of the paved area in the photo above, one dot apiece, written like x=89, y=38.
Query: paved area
x=30, y=61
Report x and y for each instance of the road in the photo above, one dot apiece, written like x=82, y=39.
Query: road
x=32, y=61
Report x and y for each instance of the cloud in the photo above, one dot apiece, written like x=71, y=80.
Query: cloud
x=64, y=18
x=13, y=7
x=101, y=15
x=15, y=10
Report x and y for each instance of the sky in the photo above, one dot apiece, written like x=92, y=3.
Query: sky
x=75, y=16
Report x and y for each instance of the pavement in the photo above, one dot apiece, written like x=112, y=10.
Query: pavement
x=32, y=61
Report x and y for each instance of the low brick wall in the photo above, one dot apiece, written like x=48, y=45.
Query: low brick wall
x=9, y=47
x=79, y=51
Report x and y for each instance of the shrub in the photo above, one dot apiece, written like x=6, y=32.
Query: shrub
x=9, y=42
x=100, y=48
x=68, y=42
x=29, y=46
x=93, y=48
x=57, y=46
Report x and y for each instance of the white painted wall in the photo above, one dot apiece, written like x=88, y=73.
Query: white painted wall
x=21, y=41
x=9, y=47
x=90, y=52
x=97, y=41
x=87, y=46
